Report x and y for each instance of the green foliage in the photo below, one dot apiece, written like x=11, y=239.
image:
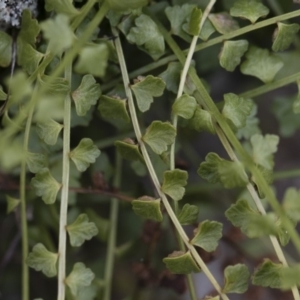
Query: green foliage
x=81, y=230
x=174, y=182
x=249, y=9
x=223, y=22
x=43, y=260
x=148, y=208
x=184, y=106
x=202, y=121
x=63, y=7
x=5, y=49
x=291, y=204
x=236, y=279
x=284, y=35
x=84, y=154
x=125, y=5
x=79, y=278
x=48, y=131
x=145, y=88
x=188, y=214
x=36, y=162
x=194, y=23
x=129, y=150
x=12, y=203
x=207, y=235
x=179, y=262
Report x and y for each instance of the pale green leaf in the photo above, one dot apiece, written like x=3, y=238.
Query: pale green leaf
x=86, y=95
x=290, y=276
x=184, y=106
x=174, y=182
x=12, y=203
x=249, y=9
x=263, y=148
x=58, y=32
x=5, y=49
x=207, y=235
x=268, y=274
x=36, y=161
x=84, y=154
x=177, y=16
x=207, y=30
x=48, y=131
x=148, y=208
x=236, y=110
x=93, y=60
x=118, y=5
x=291, y=204
x=43, y=260
x=145, y=89
x=194, y=23
x=188, y=214
x=62, y=6
x=261, y=64
x=12, y=156
x=147, y=33
x=284, y=35
x=159, y=135
x=19, y=87
x=231, y=54
x=113, y=108
x=179, y=262
x=223, y=22
x=236, y=279
x=215, y=169
x=81, y=230
x=202, y=121
x=45, y=186
x=102, y=224
x=129, y=150
x=79, y=278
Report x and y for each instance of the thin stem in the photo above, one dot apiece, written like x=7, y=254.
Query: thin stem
x=65, y=191
x=260, y=207
x=286, y=174
x=25, y=271
x=113, y=220
x=104, y=143
x=152, y=172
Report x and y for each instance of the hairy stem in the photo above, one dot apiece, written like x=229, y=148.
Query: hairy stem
x=65, y=191
x=152, y=172
x=113, y=220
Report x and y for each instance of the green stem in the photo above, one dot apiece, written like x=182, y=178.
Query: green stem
x=65, y=191
x=113, y=220
x=286, y=174
x=244, y=156
x=25, y=271
x=104, y=143
x=152, y=172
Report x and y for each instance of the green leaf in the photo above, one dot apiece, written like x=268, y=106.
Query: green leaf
x=86, y=95
x=202, y=121
x=268, y=274
x=290, y=277
x=284, y=35
x=268, y=176
x=296, y=103
x=291, y=204
x=207, y=30
x=188, y=214
x=231, y=54
x=45, y=186
x=81, y=230
x=93, y=60
x=79, y=278
x=207, y=235
x=184, y=106
x=263, y=148
x=84, y=154
x=117, y=5
x=145, y=89
x=177, y=16
x=147, y=33
x=102, y=224
x=174, y=182
x=3, y=96
x=237, y=109
x=148, y=208
x=62, y=6
x=19, y=86
x=223, y=22
x=12, y=203
x=194, y=24
x=159, y=135
x=179, y=262
x=36, y=162
x=236, y=279
x=251, y=10
x=5, y=49
x=261, y=64
x=48, y=131
x=59, y=33
x=129, y=150
x=113, y=109
x=43, y=260
x=215, y=169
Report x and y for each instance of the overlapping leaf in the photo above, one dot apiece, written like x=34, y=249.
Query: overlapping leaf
x=148, y=208
x=129, y=150
x=223, y=22
x=36, y=161
x=202, y=121
x=236, y=279
x=117, y=5
x=62, y=6
x=291, y=204
x=188, y=214
x=184, y=106
x=48, y=131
